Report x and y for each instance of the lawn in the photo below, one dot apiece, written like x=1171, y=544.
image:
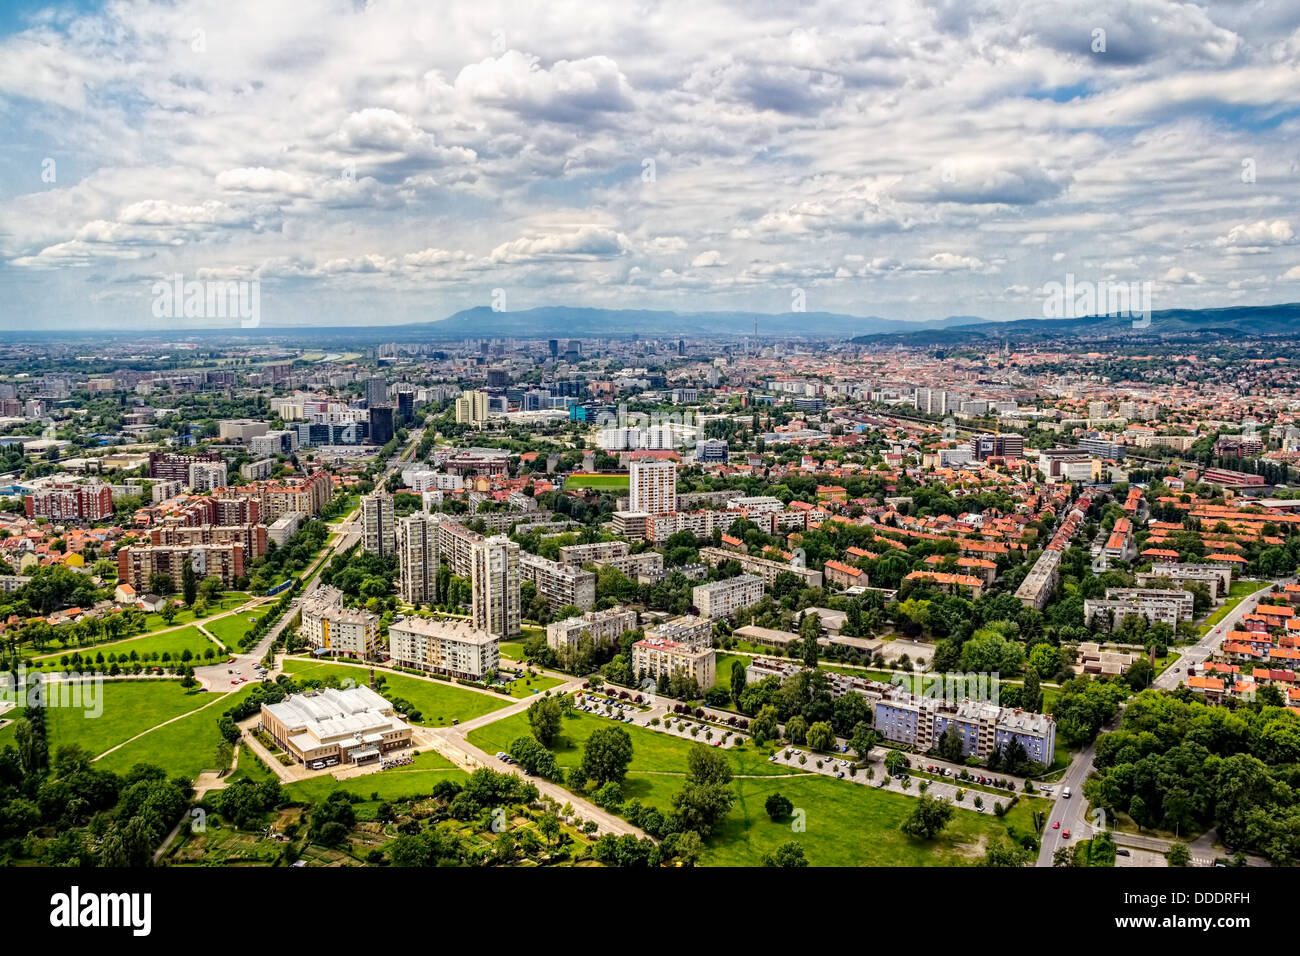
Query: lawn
x=129, y=708
x=512, y=650
x=175, y=643
x=597, y=482
x=851, y=824
x=722, y=668
x=847, y=824
x=185, y=748
x=438, y=701
x=522, y=687
x=399, y=783
x=231, y=629
x=228, y=602
x=656, y=757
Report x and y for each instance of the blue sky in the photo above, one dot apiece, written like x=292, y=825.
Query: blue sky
x=399, y=161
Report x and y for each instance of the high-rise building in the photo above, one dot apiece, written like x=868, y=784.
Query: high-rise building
x=378, y=534
x=417, y=557
x=554, y=346
x=653, y=487
x=472, y=408
x=494, y=580
x=207, y=475
x=381, y=424
x=376, y=391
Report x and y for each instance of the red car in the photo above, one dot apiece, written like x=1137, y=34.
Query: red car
x=1065, y=835
x=1056, y=825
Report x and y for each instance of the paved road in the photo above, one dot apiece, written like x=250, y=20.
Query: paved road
x=1196, y=654
x=1071, y=811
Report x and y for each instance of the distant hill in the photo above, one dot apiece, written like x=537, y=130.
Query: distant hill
x=1238, y=322
x=566, y=321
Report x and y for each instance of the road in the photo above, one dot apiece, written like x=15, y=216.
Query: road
x=1196, y=654
x=1071, y=811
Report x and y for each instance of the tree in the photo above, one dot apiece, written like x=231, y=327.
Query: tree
x=764, y=724
x=737, y=680
x=160, y=583
x=1179, y=855
x=189, y=584
x=1031, y=697
x=544, y=717
x=778, y=807
x=788, y=854
x=707, y=765
x=533, y=757
x=1005, y=853
x=951, y=744
x=928, y=818
x=863, y=740
x=796, y=729
x=606, y=755
x=895, y=762
x=821, y=736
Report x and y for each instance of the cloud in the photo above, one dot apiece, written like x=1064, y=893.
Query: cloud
x=585, y=242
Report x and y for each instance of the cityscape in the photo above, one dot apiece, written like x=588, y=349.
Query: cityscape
x=466, y=443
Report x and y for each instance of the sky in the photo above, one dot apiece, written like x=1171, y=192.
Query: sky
x=381, y=162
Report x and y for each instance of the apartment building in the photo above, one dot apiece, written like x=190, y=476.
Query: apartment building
x=1037, y=587
x=207, y=476
x=308, y=495
x=687, y=629
x=172, y=467
x=378, y=534
x=1168, y=607
x=603, y=627
x=495, y=567
x=416, y=545
x=921, y=722
x=576, y=555
x=63, y=501
x=251, y=537
x=1217, y=576
x=559, y=584
x=764, y=568
x=719, y=599
x=454, y=648
x=656, y=656
x=137, y=565
x=330, y=627
x=652, y=487
x=329, y=727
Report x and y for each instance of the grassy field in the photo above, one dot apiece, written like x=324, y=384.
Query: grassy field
x=185, y=747
x=524, y=686
x=658, y=759
x=438, y=701
x=174, y=643
x=399, y=783
x=129, y=708
x=597, y=482
x=512, y=650
x=229, y=601
x=850, y=824
x=230, y=630
x=847, y=824
x=722, y=668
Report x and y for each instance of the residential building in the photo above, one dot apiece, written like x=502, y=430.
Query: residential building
x=494, y=581
x=561, y=585
x=654, y=657
x=331, y=628
x=378, y=535
x=603, y=627
x=652, y=486
x=719, y=599
x=455, y=648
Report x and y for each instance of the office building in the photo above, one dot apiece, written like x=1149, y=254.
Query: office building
x=381, y=424
x=984, y=447
x=472, y=408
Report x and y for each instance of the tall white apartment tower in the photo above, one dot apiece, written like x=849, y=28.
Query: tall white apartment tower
x=417, y=557
x=653, y=487
x=494, y=580
x=377, y=524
